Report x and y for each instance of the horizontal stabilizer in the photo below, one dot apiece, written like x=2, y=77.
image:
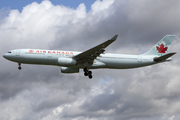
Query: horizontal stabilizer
x=164, y=57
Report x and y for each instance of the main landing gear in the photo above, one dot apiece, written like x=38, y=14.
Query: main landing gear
x=87, y=73
x=19, y=66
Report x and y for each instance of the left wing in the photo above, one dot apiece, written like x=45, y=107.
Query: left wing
x=88, y=56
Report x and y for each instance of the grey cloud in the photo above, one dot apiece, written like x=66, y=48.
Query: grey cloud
x=101, y=102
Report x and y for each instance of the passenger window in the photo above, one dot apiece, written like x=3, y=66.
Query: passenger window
x=9, y=51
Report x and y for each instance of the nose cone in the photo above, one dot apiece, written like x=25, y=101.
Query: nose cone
x=5, y=56
x=9, y=56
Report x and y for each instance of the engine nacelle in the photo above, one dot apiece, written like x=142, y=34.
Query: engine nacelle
x=66, y=61
x=69, y=70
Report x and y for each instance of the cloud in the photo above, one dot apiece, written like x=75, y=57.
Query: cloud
x=42, y=92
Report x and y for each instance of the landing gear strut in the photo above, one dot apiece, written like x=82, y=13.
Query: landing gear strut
x=87, y=72
x=19, y=66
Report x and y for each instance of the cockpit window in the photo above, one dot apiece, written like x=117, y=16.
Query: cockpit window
x=9, y=51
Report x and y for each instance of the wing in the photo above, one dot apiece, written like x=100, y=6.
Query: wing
x=91, y=54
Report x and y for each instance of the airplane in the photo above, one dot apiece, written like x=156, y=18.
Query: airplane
x=94, y=58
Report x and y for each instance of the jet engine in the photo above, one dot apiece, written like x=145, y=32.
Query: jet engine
x=66, y=61
x=69, y=70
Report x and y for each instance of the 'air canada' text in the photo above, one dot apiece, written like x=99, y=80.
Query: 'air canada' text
x=50, y=52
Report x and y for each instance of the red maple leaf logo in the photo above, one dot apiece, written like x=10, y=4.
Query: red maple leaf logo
x=161, y=49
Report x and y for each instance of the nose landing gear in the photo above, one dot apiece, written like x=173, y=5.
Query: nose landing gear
x=87, y=73
x=19, y=66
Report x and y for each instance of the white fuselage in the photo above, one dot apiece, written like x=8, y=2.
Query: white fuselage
x=106, y=60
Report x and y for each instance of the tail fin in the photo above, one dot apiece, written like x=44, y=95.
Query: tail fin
x=161, y=48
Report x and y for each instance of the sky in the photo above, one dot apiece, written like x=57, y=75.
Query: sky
x=19, y=4
x=44, y=93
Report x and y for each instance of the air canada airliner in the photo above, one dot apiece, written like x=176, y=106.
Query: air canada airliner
x=94, y=58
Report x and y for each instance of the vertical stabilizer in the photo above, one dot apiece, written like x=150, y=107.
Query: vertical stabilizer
x=162, y=47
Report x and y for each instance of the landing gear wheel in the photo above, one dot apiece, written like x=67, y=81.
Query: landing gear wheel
x=86, y=70
x=90, y=73
x=90, y=76
x=19, y=68
x=85, y=74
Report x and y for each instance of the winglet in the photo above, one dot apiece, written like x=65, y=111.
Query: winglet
x=114, y=38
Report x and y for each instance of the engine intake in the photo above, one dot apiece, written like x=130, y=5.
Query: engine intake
x=69, y=70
